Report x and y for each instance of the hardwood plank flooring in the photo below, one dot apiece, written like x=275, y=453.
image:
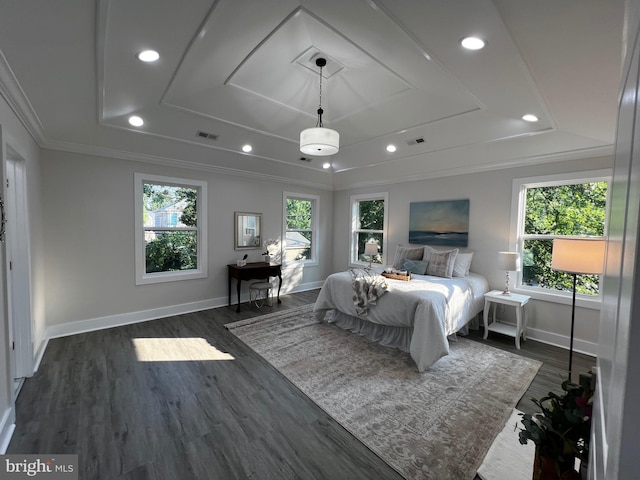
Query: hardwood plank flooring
x=162, y=400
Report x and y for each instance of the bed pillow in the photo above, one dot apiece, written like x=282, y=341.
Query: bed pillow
x=462, y=264
x=415, y=266
x=442, y=262
x=426, y=256
x=406, y=253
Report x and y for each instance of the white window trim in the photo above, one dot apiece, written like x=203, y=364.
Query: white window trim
x=517, y=219
x=143, y=278
x=315, y=225
x=353, y=244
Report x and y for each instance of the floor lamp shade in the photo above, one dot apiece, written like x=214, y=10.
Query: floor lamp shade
x=578, y=255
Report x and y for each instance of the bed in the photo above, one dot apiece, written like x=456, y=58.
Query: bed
x=416, y=316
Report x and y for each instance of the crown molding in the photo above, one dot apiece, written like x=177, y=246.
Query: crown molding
x=17, y=100
x=174, y=162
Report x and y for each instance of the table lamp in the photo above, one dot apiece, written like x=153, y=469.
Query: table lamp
x=509, y=262
x=577, y=256
x=371, y=249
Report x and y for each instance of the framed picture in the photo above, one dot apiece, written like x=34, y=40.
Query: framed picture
x=442, y=222
x=247, y=230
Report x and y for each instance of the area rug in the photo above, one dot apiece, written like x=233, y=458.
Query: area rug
x=438, y=424
x=507, y=458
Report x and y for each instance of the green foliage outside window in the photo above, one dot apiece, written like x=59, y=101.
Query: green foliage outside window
x=170, y=247
x=299, y=226
x=560, y=210
x=371, y=216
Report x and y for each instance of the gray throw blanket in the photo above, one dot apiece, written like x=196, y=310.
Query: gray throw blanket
x=368, y=286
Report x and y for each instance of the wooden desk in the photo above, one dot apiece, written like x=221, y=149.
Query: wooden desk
x=253, y=271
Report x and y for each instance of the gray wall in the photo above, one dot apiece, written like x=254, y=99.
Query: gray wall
x=89, y=240
x=490, y=196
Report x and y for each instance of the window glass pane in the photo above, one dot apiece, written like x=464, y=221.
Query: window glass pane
x=566, y=209
x=298, y=246
x=298, y=214
x=169, y=206
x=371, y=214
x=364, y=237
x=168, y=251
x=537, y=271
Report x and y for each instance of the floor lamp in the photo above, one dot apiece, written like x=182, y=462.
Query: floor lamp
x=577, y=256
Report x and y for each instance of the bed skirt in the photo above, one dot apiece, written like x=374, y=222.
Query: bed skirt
x=385, y=335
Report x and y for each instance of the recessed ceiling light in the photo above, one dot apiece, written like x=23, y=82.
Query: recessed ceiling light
x=247, y=148
x=529, y=117
x=391, y=148
x=326, y=165
x=136, y=121
x=148, y=56
x=473, y=43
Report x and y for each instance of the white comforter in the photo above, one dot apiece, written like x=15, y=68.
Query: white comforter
x=429, y=308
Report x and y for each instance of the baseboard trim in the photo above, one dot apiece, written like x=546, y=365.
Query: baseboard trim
x=100, y=323
x=7, y=426
x=561, y=341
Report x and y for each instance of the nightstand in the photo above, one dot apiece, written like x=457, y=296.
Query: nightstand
x=516, y=300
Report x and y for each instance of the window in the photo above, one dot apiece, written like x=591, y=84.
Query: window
x=562, y=205
x=170, y=229
x=368, y=224
x=301, y=227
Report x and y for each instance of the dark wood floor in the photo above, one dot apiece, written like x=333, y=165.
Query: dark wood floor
x=201, y=415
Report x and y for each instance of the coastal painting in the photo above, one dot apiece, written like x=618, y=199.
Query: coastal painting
x=443, y=222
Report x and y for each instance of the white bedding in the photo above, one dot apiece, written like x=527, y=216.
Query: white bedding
x=416, y=316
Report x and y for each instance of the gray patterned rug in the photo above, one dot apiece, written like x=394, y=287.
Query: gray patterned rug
x=433, y=425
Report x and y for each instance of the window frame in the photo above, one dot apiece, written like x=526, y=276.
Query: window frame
x=354, y=231
x=201, y=271
x=517, y=236
x=315, y=226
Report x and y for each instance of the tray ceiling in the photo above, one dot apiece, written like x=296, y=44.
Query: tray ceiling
x=244, y=71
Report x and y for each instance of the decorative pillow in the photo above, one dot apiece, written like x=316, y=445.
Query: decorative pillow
x=415, y=266
x=442, y=262
x=406, y=253
x=426, y=256
x=462, y=264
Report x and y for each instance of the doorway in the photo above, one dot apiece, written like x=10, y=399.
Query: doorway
x=18, y=269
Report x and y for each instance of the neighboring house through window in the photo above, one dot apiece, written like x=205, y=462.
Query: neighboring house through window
x=368, y=224
x=301, y=227
x=170, y=216
x=571, y=205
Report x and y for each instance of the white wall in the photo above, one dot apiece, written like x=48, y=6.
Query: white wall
x=15, y=136
x=490, y=196
x=89, y=241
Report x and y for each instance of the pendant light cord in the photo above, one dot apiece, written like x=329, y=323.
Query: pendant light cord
x=320, y=111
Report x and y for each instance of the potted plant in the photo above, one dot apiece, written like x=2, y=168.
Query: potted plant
x=560, y=431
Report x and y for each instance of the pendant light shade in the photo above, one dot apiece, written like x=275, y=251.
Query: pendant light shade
x=319, y=141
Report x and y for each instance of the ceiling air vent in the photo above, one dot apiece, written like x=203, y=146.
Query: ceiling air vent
x=415, y=141
x=208, y=136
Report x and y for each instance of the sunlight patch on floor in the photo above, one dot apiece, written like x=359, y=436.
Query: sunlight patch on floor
x=177, y=350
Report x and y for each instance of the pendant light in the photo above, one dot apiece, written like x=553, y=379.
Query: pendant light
x=319, y=140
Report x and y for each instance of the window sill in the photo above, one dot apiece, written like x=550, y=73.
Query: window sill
x=174, y=276
x=582, y=301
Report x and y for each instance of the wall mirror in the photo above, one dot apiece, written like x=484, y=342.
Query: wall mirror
x=248, y=230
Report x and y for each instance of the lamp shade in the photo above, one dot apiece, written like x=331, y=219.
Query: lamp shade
x=578, y=255
x=370, y=248
x=319, y=141
x=509, y=261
